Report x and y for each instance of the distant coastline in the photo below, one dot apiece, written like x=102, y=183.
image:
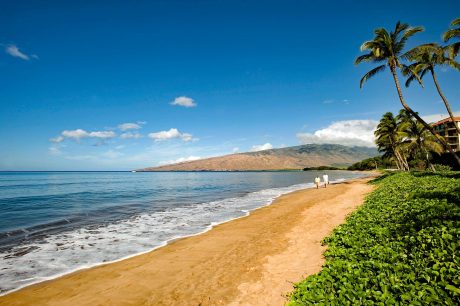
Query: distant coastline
x=294, y=158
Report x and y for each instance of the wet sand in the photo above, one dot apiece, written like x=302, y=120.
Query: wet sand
x=248, y=261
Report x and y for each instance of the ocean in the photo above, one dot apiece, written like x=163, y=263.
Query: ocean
x=53, y=223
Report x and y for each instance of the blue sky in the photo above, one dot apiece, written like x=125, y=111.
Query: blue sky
x=245, y=75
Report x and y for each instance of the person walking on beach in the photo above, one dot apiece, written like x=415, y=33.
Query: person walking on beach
x=317, y=181
x=326, y=180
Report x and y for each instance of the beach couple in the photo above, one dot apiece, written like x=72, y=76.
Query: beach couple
x=325, y=179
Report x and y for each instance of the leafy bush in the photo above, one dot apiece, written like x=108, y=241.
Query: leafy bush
x=442, y=168
x=446, y=159
x=401, y=247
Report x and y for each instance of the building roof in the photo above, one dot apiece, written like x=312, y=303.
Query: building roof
x=445, y=121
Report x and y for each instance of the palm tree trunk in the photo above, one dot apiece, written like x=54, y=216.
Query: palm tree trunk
x=401, y=165
x=404, y=160
x=395, y=155
x=398, y=162
x=428, y=161
x=406, y=164
x=419, y=119
x=446, y=103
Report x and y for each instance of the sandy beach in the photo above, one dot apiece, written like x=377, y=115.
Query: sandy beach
x=248, y=261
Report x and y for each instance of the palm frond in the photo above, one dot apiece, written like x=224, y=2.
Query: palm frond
x=412, y=72
x=370, y=74
x=411, y=31
x=381, y=34
x=452, y=63
x=406, y=69
x=399, y=28
x=433, y=146
x=364, y=58
x=410, y=79
x=417, y=51
x=371, y=45
x=407, y=34
x=424, y=71
x=453, y=50
x=449, y=34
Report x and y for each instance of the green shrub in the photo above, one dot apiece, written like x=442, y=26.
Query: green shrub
x=442, y=168
x=401, y=247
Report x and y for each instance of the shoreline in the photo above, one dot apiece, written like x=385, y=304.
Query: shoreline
x=165, y=245
x=246, y=213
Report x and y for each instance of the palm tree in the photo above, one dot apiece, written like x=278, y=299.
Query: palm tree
x=404, y=119
x=453, y=33
x=420, y=142
x=426, y=58
x=387, y=48
x=388, y=139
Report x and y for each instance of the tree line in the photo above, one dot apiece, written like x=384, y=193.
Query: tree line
x=387, y=49
x=402, y=139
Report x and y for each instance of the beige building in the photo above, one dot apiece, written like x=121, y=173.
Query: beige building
x=446, y=128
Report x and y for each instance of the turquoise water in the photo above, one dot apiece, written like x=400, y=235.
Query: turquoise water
x=56, y=222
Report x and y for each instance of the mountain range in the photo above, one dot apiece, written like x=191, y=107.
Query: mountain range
x=297, y=157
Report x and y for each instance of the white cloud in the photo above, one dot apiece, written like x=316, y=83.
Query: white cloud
x=184, y=101
x=129, y=135
x=187, y=137
x=129, y=126
x=164, y=135
x=235, y=149
x=14, y=51
x=179, y=160
x=171, y=134
x=437, y=117
x=347, y=132
x=102, y=134
x=57, y=139
x=265, y=146
x=75, y=134
x=54, y=150
x=80, y=133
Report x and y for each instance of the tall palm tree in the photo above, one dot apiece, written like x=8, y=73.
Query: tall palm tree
x=388, y=139
x=453, y=33
x=425, y=58
x=420, y=142
x=387, y=48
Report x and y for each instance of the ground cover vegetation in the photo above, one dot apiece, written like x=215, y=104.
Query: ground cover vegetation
x=401, y=247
